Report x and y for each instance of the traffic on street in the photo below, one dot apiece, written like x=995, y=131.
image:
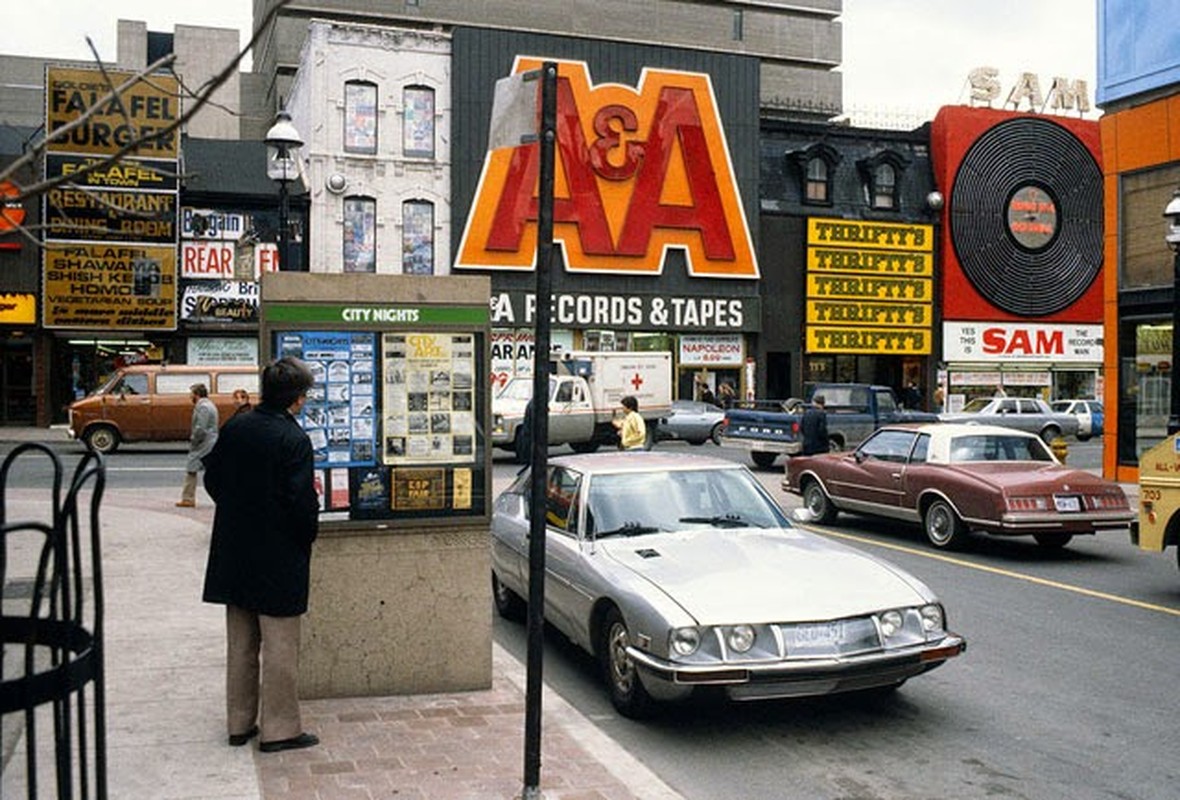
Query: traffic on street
x=1062, y=691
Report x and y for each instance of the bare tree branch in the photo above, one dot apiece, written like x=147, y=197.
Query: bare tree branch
x=114, y=97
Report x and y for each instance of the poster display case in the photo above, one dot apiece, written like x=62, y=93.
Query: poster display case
x=399, y=409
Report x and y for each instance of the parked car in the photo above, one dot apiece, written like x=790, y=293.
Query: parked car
x=680, y=571
x=1023, y=413
x=854, y=410
x=1088, y=412
x=691, y=421
x=152, y=403
x=954, y=478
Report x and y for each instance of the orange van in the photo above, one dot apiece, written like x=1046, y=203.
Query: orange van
x=152, y=403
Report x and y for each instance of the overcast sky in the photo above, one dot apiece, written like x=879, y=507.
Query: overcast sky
x=906, y=56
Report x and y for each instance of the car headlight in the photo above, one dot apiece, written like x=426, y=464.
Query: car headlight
x=891, y=623
x=685, y=641
x=740, y=638
x=932, y=619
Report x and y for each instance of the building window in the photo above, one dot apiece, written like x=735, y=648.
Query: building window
x=418, y=237
x=884, y=186
x=418, y=123
x=738, y=25
x=360, y=234
x=817, y=181
x=360, y=117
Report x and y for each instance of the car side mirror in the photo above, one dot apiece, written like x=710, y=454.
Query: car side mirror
x=859, y=456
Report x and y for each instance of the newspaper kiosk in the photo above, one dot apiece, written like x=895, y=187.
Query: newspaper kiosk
x=1159, y=498
x=400, y=594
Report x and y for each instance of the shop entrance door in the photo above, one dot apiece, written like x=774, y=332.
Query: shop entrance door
x=16, y=383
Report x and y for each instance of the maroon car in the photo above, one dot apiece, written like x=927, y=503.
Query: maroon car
x=953, y=479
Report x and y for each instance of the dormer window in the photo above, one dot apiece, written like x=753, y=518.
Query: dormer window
x=885, y=186
x=817, y=188
x=815, y=167
x=881, y=178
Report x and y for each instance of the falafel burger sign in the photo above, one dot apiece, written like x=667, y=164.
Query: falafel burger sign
x=639, y=171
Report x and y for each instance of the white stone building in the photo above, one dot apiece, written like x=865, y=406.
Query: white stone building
x=373, y=106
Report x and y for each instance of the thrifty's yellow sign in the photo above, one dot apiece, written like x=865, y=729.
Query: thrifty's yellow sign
x=869, y=235
x=890, y=341
x=876, y=287
x=906, y=315
x=829, y=259
x=110, y=286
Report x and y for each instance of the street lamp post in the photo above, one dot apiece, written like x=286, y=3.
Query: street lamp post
x=282, y=142
x=1172, y=215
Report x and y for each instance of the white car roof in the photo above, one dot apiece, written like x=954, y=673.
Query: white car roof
x=942, y=433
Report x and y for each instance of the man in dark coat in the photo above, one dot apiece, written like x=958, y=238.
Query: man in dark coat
x=260, y=475
x=815, y=427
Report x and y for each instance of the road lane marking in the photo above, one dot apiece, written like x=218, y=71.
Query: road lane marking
x=1066, y=587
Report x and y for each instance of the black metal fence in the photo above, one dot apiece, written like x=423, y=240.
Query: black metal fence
x=51, y=628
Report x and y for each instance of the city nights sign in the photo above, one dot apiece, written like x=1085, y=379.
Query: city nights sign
x=870, y=287
x=639, y=171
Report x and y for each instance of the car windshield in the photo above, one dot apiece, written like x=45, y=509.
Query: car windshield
x=518, y=389
x=647, y=502
x=1062, y=405
x=977, y=405
x=990, y=447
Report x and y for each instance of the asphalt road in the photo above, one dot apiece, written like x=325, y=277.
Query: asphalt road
x=1064, y=692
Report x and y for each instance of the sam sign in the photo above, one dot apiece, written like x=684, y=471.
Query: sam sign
x=640, y=171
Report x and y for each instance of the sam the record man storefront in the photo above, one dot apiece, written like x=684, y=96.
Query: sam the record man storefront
x=870, y=301
x=656, y=163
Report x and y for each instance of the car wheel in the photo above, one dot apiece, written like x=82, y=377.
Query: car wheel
x=763, y=460
x=816, y=500
x=102, y=439
x=583, y=447
x=622, y=678
x=1052, y=541
x=509, y=604
x=1083, y=437
x=835, y=445
x=943, y=527
x=1050, y=433
x=715, y=434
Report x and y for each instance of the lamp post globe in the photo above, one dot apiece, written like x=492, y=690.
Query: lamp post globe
x=282, y=145
x=1172, y=237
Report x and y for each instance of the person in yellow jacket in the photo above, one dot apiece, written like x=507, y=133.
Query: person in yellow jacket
x=632, y=428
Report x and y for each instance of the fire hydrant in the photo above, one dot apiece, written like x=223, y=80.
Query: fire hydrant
x=1060, y=449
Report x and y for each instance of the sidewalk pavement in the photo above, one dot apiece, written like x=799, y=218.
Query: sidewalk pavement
x=165, y=657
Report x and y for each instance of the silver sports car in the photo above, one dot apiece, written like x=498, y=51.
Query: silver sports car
x=680, y=572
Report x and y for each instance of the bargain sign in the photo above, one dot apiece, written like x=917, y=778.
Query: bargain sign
x=639, y=171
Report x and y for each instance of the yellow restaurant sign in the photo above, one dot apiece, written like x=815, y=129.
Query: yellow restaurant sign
x=870, y=287
x=640, y=171
x=110, y=286
x=18, y=309
x=143, y=111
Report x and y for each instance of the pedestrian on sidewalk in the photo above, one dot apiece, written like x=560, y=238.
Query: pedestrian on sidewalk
x=201, y=440
x=260, y=475
x=242, y=402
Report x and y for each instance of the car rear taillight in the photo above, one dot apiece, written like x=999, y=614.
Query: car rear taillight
x=1027, y=503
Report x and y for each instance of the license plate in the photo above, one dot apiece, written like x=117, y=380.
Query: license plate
x=817, y=634
x=1068, y=503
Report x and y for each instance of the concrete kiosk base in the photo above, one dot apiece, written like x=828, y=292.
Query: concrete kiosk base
x=398, y=612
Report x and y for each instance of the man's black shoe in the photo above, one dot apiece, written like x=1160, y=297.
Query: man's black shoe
x=294, y=743
x=239, y=739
